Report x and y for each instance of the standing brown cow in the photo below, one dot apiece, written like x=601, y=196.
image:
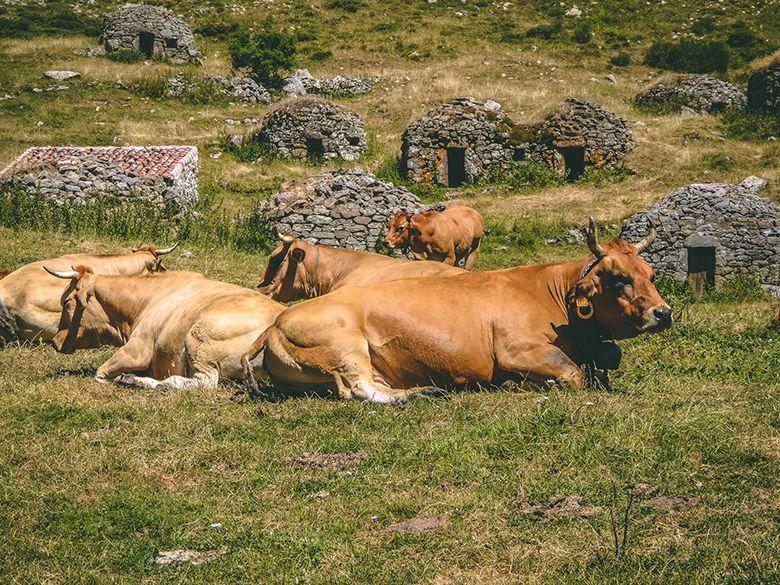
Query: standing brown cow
x=451, y=236
x=531, y=322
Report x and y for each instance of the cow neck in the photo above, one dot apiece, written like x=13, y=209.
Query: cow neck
x=564, y=277
x=123, y=299
x=320, y=276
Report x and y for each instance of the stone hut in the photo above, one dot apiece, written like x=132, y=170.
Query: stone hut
x=712, y=232
x=313, y=128
x=701, y=93
x=162, y=175
x=456, y=143
x=345, y=208
x=153, y=30
x=576, y=136
x=764, y=88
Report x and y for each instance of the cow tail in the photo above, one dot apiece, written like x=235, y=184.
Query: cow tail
x=247, y=358
x=4, y=273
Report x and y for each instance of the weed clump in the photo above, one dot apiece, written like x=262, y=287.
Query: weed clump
x=265, y=55
x=621, y=59
x=126, y=56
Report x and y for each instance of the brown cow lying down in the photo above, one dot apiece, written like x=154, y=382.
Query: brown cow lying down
x=451, y=236
x=297, y=270
x=30, y=297
x=527, y=323
x=178, y=329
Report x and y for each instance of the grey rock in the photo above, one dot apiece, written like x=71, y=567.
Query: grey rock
x=61, y=75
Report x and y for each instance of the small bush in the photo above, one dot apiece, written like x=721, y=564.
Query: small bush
x=320, y=55
x=351, y=6
x=27, y=21
x=249, y=151
x=583, y=33
x=218, y=30
x=544, y=31
x=531, y=175
x=704, y=25
x=126, y=56
x=689, y=56
x=264, y=55
x=745, y=44
x=716, y=161
x=621, y=59
x=153, y=86
x=747, y=124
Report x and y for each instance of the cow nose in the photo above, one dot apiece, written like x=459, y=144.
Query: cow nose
x=663, y=314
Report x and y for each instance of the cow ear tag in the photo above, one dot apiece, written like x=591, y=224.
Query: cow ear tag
x=584, y=308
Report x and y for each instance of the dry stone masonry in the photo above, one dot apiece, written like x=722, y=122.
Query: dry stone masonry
x=764, y=88
x=456, y=143
x=152, y=30
x=241, y=89
x=701, y=93
x=313, y=128
x=162, y=175
x=721, y=230
x=578, y=135
x=301, y=82
x=345, y=208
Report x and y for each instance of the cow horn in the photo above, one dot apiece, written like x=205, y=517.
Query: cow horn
x=645, y=242
x=66, y=275
x=164, y=251
x=591, y=235
x=287, y=238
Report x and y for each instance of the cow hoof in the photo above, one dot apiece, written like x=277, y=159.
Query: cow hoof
x=125, y=380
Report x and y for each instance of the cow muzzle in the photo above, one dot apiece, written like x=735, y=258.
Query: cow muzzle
x=657, y=319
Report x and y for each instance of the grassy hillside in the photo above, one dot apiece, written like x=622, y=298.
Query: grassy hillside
x=95, y=480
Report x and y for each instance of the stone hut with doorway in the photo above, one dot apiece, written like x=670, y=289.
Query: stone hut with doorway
x=701, y=93
x=577, y=136
x=312, y=128
x=764, y=87
x=157, y=175
x=456, y=143
x=710, y=233
x=153, y=30
x=348, y=208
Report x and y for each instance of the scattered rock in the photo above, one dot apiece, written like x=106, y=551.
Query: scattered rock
x=61, y=75
x=172, y=557
x=753, y=183
x=562, y=507
x=186, y=254
x=236, y=140
x=611, y=78
x=574, y=12
x=416, y=525
x=327, y=461
x=301, y=82
x=693, y=93
x=91, y=52
x=669, y=503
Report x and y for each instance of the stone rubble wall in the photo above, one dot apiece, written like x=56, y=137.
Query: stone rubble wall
x=122, y=27
x=301, y=82
x=743, y=227
x=242, y=89
x=606, y=137
x=764, y=89
x=79, y=182
x=286, y=131
x=701, y=93
x=481, y=128
x=345, y=208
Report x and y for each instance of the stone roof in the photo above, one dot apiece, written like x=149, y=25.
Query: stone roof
x=764, y=88
x=698, y=92
x=163, y=161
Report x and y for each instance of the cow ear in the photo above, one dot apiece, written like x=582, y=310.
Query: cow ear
x=581, y=295
x=298, y=254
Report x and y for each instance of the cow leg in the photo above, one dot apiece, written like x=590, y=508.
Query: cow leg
x=198, y=380
x=471, y=259
x=134, y=356
x=543, y=363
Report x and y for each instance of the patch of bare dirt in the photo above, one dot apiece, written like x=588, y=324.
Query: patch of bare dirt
x=642, y=491
x=194, y=557
x=327, y=461
x=669, y=503
x=562, y=507
x=415, y=525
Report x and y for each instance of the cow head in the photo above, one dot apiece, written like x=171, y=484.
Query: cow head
x=291, y=271
x=84, y=323
x=400, y=230
x=617, y=289
x=154, y=262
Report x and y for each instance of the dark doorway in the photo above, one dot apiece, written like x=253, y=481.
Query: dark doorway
x=574, y=162
x=315, y=148
x=146, y=44
x=701, y=268
x=171, y=43
x=456, y=167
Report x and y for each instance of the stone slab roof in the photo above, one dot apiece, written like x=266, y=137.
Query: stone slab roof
x=164, y=161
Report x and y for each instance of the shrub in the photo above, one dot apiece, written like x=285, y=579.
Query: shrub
x=26, y=21
x=621, y=59
x=126, y=56
x=320, y=55
x=264, y=55
x=219, y=30
x=583, y=33
x=544, y=31
x=531, y=175
x=746, y=45
x=249, y=151
x=747, y=124
x=153, y=86
x=689, y=56
x=704, y=25
x=345, y=5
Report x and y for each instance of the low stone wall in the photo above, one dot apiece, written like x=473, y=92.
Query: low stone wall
x=242, y=89
x=742, y=226
x=701, y=93
x=345, y=208
x=764, y=89
x=301, y=82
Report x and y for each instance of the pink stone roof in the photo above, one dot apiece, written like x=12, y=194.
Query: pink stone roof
x=164, y=161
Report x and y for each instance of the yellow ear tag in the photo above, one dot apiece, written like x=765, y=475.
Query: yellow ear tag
x=584, y=308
